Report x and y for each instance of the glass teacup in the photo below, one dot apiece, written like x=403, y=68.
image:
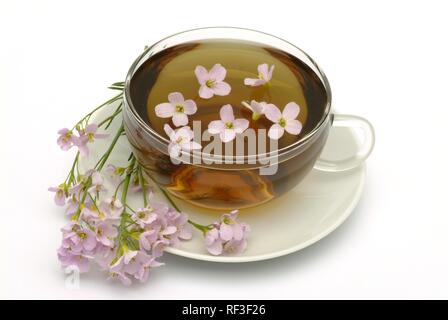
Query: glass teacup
x=236, y=181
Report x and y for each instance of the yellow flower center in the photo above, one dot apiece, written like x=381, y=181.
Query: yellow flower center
x=179, y=108
x=210, y=83
x=282, y=122
x=229, y=125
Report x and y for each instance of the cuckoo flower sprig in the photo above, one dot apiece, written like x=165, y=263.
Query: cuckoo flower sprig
x=104, y=229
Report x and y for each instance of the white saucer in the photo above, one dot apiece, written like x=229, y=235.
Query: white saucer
x=282, y=226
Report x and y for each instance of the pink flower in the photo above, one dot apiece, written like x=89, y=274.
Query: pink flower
x=112, y=207
x=114, y=173
x=212, y=83
x=180, y=140
x=264, y=76
x=97, y=183
x=177, y=108
x=60, y=194
x=66, y=139
x=228, y=235
x=72, y=205
x=69, y=259
x=285, y=120
x=144, y=216
x=228, y=126
x=133, y=264
x=87, y=135
x=77, y=239
x=257, y=108
x=106, y=233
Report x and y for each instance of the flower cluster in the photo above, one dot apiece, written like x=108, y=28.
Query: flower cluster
x=67, y=138
x=104, y=229
x=227, y=235
x=212, y=83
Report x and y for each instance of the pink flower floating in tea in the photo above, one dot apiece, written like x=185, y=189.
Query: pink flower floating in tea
x=264, y=76
x=257, y=108
x=228, y=126
x=283, y=121
x=212, y=82
x=177, y=108
x=180, y=140
x=227, y=235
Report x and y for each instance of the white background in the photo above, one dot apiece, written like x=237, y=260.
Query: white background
x=386, y=61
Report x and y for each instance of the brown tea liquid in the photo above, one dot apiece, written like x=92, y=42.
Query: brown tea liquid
x=172, y=70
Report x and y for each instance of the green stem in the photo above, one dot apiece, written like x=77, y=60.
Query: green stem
x=104, y=158
x=110, y=118
x=70, y=176
x=200, y=227
x=87, y=116
x=124, y=216
x=143, y=186
x=124, y=192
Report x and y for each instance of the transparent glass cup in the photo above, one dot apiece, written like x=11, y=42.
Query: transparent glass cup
x=237, y=182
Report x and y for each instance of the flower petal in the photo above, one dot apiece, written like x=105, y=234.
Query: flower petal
x=221, y=88
x=225, y=232
x=217, y=72
x=239, y=125
x=201, y=74
x=186, y=232
x=263, y=71
x=291, y=111
x=216, y=126
x=226, y=113
x=91, y=128
x=227, y=135
x=238, y=232
x=169, y=132
x=293, y=127
x=215, y=248
x=180, y=119
x=129, y=255
x=254, y=82
x=257, y=107
x=174, y=150
x=185, y=133
x=275, y=131
x=164, y=110
x=272, y=112
x=190, y=107
x=205, y=92
x=271, y=71
x=175, y=97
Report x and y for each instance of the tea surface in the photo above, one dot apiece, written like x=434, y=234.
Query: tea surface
x=172, y=70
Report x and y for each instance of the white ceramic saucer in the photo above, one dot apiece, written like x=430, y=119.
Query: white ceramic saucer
x=282, y=226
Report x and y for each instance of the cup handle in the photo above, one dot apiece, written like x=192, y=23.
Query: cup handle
x=343, y=120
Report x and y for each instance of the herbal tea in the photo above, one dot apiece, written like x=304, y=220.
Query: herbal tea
x=241, y=81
